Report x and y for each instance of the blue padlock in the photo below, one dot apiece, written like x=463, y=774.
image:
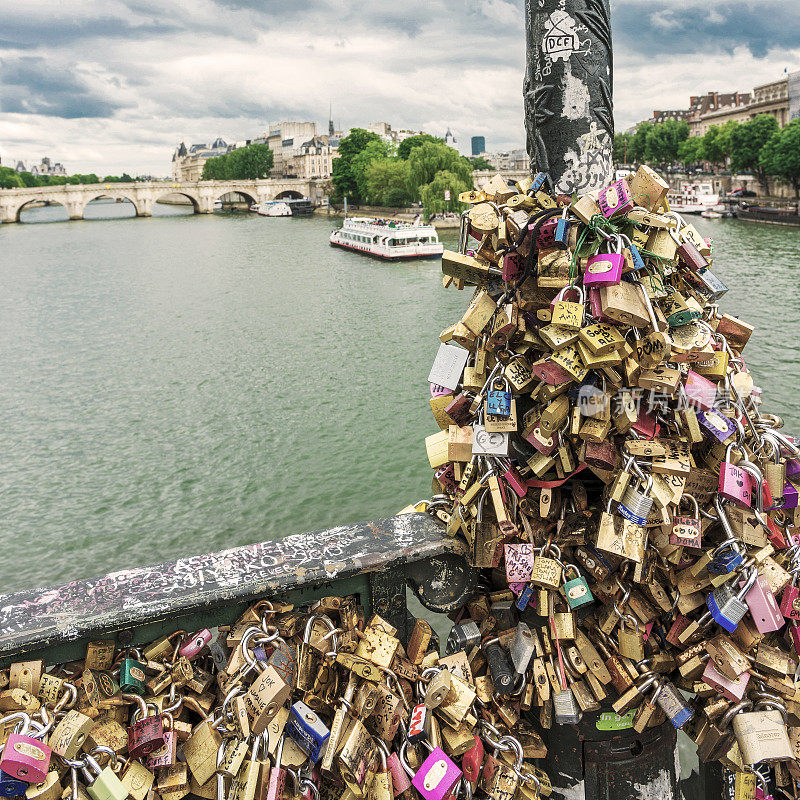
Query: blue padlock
x=727, y=606
x=11, y=786
x=308, y=730
x=726, y=559
x=498, y=399
x=561, y=236
x=636, y=256
x=539, y=180
x=524, y=598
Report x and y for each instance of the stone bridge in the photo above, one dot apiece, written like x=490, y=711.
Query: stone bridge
x=201, y=194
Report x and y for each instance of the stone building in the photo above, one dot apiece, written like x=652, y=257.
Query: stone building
x=188, y=162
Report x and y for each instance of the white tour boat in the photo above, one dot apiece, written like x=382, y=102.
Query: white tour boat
x=388, y=239
x=274, y=208
x=693, y=198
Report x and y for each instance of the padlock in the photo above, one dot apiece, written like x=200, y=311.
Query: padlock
x=502, y=676
x=636, y=502
x=615, y=198
x=102, y=783
x=761, y=734
x=145, y=733
x=24, y=756
x=735, y=484
x=576, y=590
x=69, y=735
x=605, y=269
x=498, y=398
x=546, y=571
x=727, y=605
x=266, y=696
x=567, y=313
x=561, y=236
x=131, y=673
x=307, y=730
x=669, y=699
x=436, y=776
x=463, y=636
x=193, y=645
x=358, y=755
x=764, y=607
x=686, y=531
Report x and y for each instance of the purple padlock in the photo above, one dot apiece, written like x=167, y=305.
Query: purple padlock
x=193, y=645
x=605, y=269
x=437, y=776
x=716, y=424
x=790, y=496
x=615, y=198
x=546, y=238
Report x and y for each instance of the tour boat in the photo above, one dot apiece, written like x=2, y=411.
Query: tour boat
x=275, y=208
x=693, y=198
x=388, y=239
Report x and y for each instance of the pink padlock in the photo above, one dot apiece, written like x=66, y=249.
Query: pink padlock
x=790, y=602
x=604, y=269
x=646, y=424
x=519, y=562
x=517, y=588
x=193, y=645
x=436, y=776
x=700, y=391
x=764, y=607
x=734, y=483
x=794, y=633
x=446, y=477
x=615, y=198
x=513, y=479
x=733, y=690
x=439, y=391
x=400, y=781
x=513, y=266
x=24, y=757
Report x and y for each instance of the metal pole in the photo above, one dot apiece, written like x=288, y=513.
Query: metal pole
x=569, y=110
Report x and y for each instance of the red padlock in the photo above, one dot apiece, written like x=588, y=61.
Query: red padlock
x=472, y=761
x=146, y=734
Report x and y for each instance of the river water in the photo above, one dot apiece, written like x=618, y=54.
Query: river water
x=183, y=384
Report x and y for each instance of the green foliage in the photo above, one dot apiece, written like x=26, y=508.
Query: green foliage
x=407, y=145
x=747, y=139
x=375, y=150
x=637, y=150
x=431, y=158
x=79, y=178
x=691, y=151
x=432, y=194
x=342, y=175
x=623, y=148
x=9, y=179
x=479, y=162
x=386, y=181
x=781, y=155
x=124, y=178
x=27, y=178
x=244, y=163
x=663, y=141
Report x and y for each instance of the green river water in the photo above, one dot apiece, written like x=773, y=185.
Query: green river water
x=183, y=384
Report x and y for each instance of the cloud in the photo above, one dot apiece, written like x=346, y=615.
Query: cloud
x=116, y=89
x=31, y=85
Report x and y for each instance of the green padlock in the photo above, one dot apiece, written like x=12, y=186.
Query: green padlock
x=576, y=590
x=102, y=783
x=131, y=674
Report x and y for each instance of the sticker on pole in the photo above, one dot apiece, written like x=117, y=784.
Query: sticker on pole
x=609, y=721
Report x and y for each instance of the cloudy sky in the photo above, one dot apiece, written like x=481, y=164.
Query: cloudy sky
x=113, y=86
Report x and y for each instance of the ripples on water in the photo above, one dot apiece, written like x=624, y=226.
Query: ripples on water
x=184, y=384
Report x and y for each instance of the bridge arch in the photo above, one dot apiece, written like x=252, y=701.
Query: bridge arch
x=289, y=194
x=114, y=196
x=249, y=196
x=195, y=200
x=40, y=199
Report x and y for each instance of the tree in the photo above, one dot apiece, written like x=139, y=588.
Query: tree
x=663, y=141
x=375, y=150
x=387, y=182
x=27, y=178
x=638, y=145
x=215, y=169
x=433, y=193
x=691, y=151
x=747, y=139
x=244, y=163
x=427, y=160
x=780, y=155
x=349, y=147
x=10, y=179
x=479, y=162
x=623, y=149
x=407, y=145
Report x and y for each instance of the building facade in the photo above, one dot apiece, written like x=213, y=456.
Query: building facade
x=188, y=162
x=46, y=167
x=510, y=160
x=478, y=145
